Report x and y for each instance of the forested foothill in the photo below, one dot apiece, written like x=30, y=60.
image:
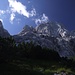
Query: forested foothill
x=30, y=59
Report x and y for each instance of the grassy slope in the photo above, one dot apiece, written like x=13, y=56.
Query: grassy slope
x=32, y=67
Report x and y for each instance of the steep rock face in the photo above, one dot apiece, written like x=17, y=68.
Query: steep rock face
x=52, y=29
x=26, y=29
x=3, y=32
x=51, y=35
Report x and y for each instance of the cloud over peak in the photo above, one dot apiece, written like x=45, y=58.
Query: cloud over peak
x=43, y=19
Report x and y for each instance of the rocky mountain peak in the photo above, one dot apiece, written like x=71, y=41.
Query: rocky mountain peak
x=1, y=26
x=3, y=32
x=52, y=35
x=26, y=29
x=53, y=29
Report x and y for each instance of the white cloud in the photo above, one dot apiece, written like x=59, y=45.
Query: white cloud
x=2, y=12
x=18, y=7
x=43, y=19
x=12, y=17
x=33, y=12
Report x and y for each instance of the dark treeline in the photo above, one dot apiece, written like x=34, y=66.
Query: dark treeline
x=10, y=51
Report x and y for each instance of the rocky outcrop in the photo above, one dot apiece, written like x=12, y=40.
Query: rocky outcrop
x=3, y=32
x=51, y=35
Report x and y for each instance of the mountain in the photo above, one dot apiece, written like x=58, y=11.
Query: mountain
x=26, y=29
x=3, y=32
x=51, y=35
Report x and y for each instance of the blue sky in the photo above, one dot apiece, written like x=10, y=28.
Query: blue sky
x=15, y=14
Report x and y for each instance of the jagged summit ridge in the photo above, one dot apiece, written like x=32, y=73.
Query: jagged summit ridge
x=52, y=29
x=26, y=29
x=51, y=35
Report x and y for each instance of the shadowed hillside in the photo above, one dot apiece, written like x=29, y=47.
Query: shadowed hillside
x=26, y=58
